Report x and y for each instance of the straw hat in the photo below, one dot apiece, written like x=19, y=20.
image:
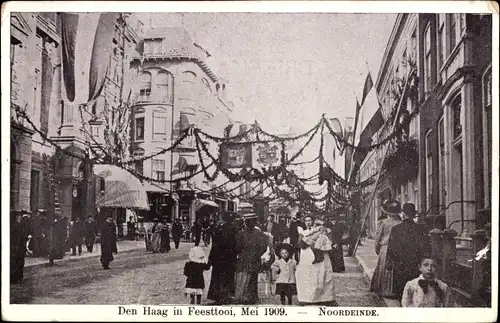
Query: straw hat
x=391, y=207
x=288, y=247
x=196, y=254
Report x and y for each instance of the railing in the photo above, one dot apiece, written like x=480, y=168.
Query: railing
x=153, y=98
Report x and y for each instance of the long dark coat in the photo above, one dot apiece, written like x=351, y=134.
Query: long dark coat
x=223, y=259
x=76, y=236
x=293, y=233
x=17, y=251
x=177, y=231
x=407, y=245
x=337, y=254
x=250, y=245
x=108, y=242
x=89, y=231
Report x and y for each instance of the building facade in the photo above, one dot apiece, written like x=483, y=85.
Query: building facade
x=451, y=123
x=43, y=177
x=174, y=87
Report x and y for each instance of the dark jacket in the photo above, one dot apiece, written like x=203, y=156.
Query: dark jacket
x=224, y=245
x=250, y=245
x=293, y=232
x=89, y=229
x=177, y=230
x=408, y=244
x=76, y=233
x=108, y=241
x=194, y=273
x=17, y=240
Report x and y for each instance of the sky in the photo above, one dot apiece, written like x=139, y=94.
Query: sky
x=288, y=68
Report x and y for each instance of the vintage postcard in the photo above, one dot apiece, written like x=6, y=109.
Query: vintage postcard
x=250, y=161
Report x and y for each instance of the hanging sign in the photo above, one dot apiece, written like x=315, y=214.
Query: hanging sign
x=265, y=155
x=236, y=155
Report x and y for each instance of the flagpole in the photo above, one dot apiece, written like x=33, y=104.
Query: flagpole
x=386, y=149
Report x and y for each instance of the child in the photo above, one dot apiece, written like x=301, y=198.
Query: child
x=193, y=270
x=285, y=269
x=426, y=290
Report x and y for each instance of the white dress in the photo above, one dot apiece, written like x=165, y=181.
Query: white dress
x=315, y=282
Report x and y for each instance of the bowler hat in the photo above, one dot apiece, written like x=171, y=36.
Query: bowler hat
x=409, y=209
x=391, y=207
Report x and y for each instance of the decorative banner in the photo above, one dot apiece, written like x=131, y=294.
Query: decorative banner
x=265, y=155
x=236, y=155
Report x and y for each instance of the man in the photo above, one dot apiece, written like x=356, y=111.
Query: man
x=223, y=259
x=131, y=228
x=407, y=246
x=17, y=248
x=165, y=237
x=76, y=237
x=250, y=246
x=337, y=253
x=108, y=242
x=273, y=228
x=177, y=230
x=196, y=230
x=295, y=224
x=89, y=232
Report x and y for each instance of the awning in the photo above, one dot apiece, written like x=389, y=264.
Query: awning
x=122, y=189
x=199, y=203
x=154, y=188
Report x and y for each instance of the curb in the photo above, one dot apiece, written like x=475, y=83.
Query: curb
x=66, y=259
x=368, y=274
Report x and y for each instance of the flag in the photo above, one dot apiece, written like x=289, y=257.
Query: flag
x=101, y=53
x=366, y=89
x=69, y=26
x=356, y=117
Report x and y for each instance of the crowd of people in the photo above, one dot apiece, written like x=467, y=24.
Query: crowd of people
x=298, y=259
x=405, y=268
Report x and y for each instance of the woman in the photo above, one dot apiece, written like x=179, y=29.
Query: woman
x=156, y=239
x=382, y=280
x=315, y=282
x=165, y=237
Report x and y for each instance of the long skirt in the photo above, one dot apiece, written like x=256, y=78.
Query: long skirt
x=222, y=282
x=383, y=279
x=165, y=241
x=315, y=282
x=156, y=242
x=246, y=288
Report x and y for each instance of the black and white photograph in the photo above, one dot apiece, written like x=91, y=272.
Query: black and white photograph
x=250, y=163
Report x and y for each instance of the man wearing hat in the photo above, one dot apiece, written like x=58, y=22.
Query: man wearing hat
x=250, y=246
x=407, y=245
x=108, y=241
x=17, y=247
x=382, y=278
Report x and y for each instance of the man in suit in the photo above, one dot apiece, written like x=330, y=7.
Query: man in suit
x=408, y=244
x=293, y=233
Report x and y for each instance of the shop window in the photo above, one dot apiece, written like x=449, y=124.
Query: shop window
x=139, y=128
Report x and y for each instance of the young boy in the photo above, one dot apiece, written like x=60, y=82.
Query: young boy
x=426, y=290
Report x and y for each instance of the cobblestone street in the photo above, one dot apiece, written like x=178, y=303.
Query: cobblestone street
x=140, y=277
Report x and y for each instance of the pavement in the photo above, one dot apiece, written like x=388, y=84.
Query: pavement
x=138, y=276
x=122, y=246
x=367, y=261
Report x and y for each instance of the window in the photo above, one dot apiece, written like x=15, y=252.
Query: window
x=442, y=174
x=139, y=166
x=37, y=90
x=413, y=46
x=441, y=40
x=188, y=81
x=139, y=128
x=487, y=135
x=35, y=189
x=162, y=84
x=145, y=84
x=428, y=168
x=148, y=47
x=427, y=61
x=452, y=32
x=159, y=169
x=159, y=125
x=157, y=46
x=456, y=109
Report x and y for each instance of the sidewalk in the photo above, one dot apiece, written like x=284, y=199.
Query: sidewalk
x=122, y=246
x=367, y=260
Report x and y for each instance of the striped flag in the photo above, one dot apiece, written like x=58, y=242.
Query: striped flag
x=101, y=53
x=69, y=27
x=366, y=89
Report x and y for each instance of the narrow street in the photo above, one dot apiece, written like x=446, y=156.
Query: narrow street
x=140, y=277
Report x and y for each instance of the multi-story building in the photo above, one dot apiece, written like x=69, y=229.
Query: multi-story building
x=38, y=87
x=452, y=125
x=174, y=87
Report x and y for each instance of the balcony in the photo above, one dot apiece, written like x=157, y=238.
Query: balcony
x=153, y=99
